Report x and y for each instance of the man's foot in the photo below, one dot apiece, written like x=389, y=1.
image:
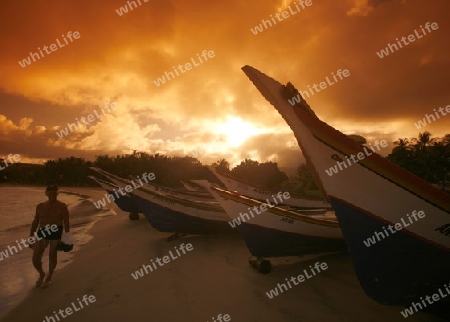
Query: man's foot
x=40, y=279
x=46, y=283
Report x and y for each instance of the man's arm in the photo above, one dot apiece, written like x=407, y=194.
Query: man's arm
x=35, y=223
x=66, y=218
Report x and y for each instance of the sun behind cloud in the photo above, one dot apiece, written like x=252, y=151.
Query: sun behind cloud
x=236, y=130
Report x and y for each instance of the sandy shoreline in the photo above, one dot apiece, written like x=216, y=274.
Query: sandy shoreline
x=211, y=279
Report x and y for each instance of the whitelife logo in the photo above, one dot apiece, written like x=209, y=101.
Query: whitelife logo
x=323, y=85
x=412, y=37
x=90, y=118
x=15, y=158
x=398, y=226
x=146, y=269
x=318, y=268
x=128, y=188
x=284, y=14
x=429, y=117
x=31, y=240
x=198, y=152
x=360, y=156
x=68, y=311
x=168, y=76
x=220, y=318
x=27, y=61
x=243, y=217
x=415, y=307
x=123, y=10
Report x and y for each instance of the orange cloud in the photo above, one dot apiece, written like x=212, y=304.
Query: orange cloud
x=118, y=58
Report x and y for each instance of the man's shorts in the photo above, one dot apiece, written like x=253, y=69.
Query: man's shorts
x=50, y=234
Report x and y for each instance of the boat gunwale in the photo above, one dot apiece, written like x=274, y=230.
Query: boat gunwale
x=183, y=202
x=275, y=210
x=340, y=142
x=265, y=188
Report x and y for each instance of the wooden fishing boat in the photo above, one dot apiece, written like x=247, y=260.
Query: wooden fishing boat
x=167, y=213
x=125, y=203
x=271, y=231
x=260, y=193
x=368, y=196
x=181, y=193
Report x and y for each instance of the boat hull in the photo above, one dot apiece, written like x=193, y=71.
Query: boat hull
x=261, y=193
x=367, y=196
x=277, y=232
x=165, y=219
x=270, y=242
x=385, y=268
x=125, y=203
x=169, y=213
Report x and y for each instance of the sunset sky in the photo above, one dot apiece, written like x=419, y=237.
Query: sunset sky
x=214, y=107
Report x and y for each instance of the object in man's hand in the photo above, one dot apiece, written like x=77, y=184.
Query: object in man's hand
x=64, y=247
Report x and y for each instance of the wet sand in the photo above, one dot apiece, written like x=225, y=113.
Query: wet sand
x=214, y=278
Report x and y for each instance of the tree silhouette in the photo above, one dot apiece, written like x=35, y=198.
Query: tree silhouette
x=265, y=174
x=222, y=165
x=425, y=156
x=302, y=183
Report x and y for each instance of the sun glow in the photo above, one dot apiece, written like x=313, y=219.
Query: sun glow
x=236, y=130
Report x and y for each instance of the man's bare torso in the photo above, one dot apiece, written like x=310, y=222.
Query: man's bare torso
x=51, y=213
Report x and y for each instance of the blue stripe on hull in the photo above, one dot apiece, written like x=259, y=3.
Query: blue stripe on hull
x=267, y=242
x=125, y=203
x=167, y=220
x=395, y=269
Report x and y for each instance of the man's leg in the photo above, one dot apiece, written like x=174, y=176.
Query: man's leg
x=38, y=251
x=52, y=260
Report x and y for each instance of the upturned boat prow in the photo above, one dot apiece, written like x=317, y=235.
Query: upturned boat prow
x=370, y=197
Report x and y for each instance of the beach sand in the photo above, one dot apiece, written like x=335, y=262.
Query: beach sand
x=213, y=278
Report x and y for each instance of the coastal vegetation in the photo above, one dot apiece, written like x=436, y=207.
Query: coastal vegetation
x=425, y=156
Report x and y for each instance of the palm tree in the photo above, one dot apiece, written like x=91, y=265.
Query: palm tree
x=401, y=145
x=440, y=157
x=222, y=165
x=402, y=154
x=423, y=155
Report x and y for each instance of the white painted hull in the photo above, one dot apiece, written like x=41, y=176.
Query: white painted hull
x=171, y=214
x=277, y=232
x=261, y=193
x=367, y=197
